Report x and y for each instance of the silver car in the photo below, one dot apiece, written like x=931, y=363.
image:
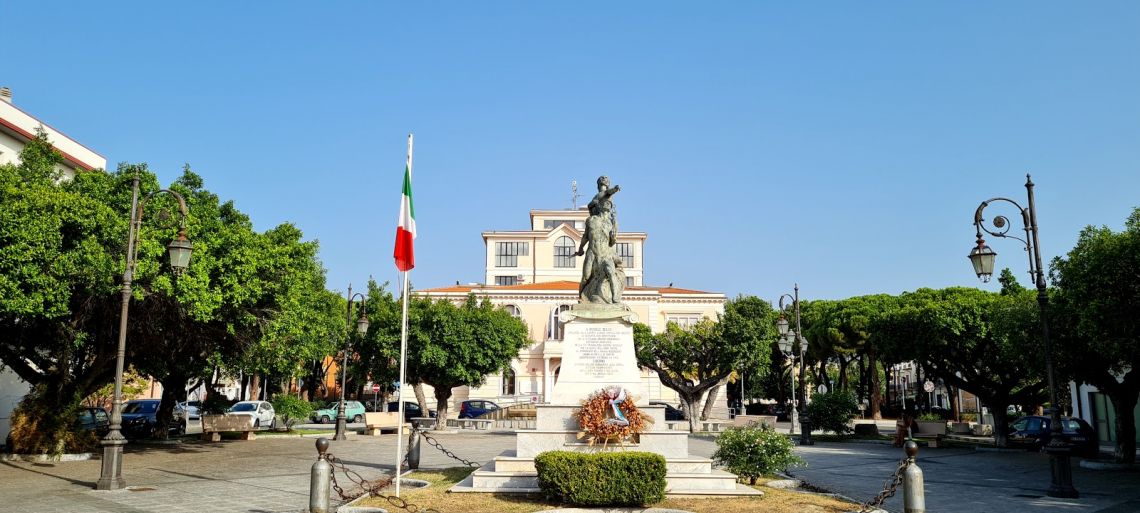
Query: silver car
x=261, y=411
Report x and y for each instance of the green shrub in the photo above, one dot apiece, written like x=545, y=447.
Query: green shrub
x=754, y=451
x=833, y=411
x=930, y=417
x=291, y=409
x=602, y=479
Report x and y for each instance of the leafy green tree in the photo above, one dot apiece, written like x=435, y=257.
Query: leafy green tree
x=693, y=360
x=451, y=346
x=62, y=253
x=833, y=411
x=847, y=327
x=1098, y=320
x=982, y=342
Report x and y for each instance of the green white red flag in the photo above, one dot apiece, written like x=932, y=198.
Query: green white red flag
x=406, y=229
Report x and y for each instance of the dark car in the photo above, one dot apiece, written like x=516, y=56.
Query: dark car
x=671, y=413
x=411, y=410
x=139, y=417
x=476, y=408
x=1033, y=432
x=94, y=419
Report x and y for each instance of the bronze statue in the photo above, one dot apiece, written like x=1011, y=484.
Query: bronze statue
x=603, y=278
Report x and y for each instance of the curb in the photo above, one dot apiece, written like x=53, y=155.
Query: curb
x=48, y=458
x=1109, y=466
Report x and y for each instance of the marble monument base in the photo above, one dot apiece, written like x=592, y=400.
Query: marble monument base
x=598, y=353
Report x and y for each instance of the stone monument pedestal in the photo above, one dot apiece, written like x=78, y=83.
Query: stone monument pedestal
x=598, y=353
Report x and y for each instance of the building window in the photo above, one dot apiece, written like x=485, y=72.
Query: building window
x=550, y=224
x=625, y=251
x=506, y=280
x=514, y=311
x=564, y=252
x=509, y=382
x=683, y=320
x=507, y=253
x=556, y=326
x=629, y=281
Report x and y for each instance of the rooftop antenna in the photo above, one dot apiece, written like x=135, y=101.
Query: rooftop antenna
x=574, y=193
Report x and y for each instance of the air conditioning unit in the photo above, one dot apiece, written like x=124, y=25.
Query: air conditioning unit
x=520, y=278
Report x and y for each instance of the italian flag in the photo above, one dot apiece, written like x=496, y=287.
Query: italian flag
x=406, y=227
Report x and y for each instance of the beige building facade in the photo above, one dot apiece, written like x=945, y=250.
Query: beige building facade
x=534, y=275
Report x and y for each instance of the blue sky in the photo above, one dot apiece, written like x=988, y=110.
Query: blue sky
x=841, y=145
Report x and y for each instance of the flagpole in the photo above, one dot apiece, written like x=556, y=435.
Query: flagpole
x=403, y=358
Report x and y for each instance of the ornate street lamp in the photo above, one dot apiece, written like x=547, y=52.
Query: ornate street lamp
x=111, y=470
x=982, y=258
x=788, y=336
x=361, y=329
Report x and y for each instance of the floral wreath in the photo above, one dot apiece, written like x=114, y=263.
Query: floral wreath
x=609, y=415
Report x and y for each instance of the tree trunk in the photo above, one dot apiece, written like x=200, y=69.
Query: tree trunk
x=843, y=363
x=955, y=408
x=711, y=401
x=689, y=402
x=1001, y=425
x=1124, y=401
x=442, y=394
x=876, y=391
x=254, y=387
x=861, y=392
x=173, y=386
x=418, y=389
x=314, y=379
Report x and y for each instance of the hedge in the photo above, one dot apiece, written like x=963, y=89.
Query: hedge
x=603, y=478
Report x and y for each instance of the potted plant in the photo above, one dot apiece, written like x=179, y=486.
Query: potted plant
x=931, y=424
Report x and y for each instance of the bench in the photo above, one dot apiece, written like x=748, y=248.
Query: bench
x=377, y=422
x=748, y=420
x=713, y=425
x=482, y=424
x=214, y=425
x=423, y=422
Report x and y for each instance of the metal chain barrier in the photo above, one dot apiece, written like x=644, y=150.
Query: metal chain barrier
x=889, y=487
x=372, y=488
x=435, y=443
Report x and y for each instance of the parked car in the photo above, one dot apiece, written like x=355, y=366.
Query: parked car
x=1033, y=432
x=353, y=412
x=411, y=410
x=140, y=417
x=184, y=408
x=473, y=408
x=671, y=413
x=261, y=411
x=94, y=419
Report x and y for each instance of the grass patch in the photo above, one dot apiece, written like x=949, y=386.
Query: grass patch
x=436, y=496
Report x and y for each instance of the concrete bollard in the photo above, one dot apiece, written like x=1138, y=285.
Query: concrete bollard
x=914, y=497
x=320, y=480
x=414, y=449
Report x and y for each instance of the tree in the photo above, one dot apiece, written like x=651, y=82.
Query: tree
x=1097, y=323
x=62, y=252
x=847, y=327
x=693, y=360
x=982, y=342
x=451, y=346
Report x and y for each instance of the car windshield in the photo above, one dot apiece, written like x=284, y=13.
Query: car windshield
x=244, y=407
x=143, y=407
x=332, y=405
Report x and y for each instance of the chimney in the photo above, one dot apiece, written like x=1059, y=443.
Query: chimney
x=6, y=94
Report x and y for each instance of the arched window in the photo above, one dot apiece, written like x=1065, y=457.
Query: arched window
x=514, y=311
x=509, y=382
x=564, y=252
x=556, y=331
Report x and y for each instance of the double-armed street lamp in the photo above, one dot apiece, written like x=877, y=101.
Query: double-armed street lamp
x=788, y=337
x=982, y=257
x=361, y=329
x=111, y=471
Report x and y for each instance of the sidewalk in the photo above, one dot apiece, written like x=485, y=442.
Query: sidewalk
x=270, y=474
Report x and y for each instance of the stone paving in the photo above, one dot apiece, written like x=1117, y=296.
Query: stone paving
x=271, y=474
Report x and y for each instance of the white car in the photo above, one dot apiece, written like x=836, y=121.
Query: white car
x=261, y=411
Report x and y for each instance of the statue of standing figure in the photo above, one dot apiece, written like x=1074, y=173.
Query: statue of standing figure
x=603, y=279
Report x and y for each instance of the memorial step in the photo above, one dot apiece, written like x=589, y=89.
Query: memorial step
x=508, y=462
x=675, y=483
x=670, y=444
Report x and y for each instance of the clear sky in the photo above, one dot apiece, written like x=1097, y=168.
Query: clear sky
x=843, y=145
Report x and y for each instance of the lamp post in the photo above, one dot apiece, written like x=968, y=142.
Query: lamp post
x=982, y=258
x=111, y=470
x=361, y=329
x=787, y=337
